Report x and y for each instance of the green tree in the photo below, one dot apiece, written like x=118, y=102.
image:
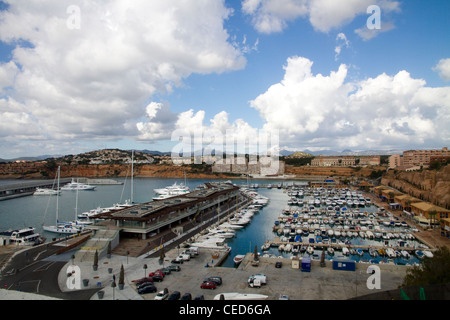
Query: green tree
x=431, y=270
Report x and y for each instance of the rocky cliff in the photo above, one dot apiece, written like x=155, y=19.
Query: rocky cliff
x=429, y=185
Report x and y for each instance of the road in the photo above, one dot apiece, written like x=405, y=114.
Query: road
x=36, y=271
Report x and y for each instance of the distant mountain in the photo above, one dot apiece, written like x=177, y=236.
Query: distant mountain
x=38, y=158
x=158, y=153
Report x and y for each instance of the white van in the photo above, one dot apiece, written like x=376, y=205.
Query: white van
x=194, y=250
x=256, y=280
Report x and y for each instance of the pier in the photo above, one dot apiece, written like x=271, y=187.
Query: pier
x=16, y=190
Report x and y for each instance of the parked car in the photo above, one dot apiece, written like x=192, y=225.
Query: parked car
x=199, y=297
x=208, y=285
x=174, y=296
x=217, y=280
x=157, y=278
x=165, y=271
x=174, y=268
x=257, y=280
x=157, y=272
x=186, y=296
x=142, y=285
x=177, y=260
x=164, y=294
x=278, y=264
x=185, y=257
x=147, y=289
x=142, y=280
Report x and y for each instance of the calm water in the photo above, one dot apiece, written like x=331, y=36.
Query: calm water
x=36, y=211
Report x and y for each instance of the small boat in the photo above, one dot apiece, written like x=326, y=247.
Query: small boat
x=240, y=296
x=238, y=259
x=310, y=250
x=373, y=252
x=64, y=228
x=46, y=192
x=390, y=253
x=428, y=254
x=345, y=251
x=405, y=254
x=419, y=254
x=24, y=237
x=330, y=251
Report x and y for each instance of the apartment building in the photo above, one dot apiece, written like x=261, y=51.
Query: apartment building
x=345, y=161
x=422, y=157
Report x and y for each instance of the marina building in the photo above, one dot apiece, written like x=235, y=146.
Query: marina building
x=429, y=211
x=149, y=219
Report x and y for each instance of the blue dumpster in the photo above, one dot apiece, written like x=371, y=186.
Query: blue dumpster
x=306, y=264
x=342, y=264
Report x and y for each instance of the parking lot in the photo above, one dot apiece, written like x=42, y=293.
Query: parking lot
x=322, y=283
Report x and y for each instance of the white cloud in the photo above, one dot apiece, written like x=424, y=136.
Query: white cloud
x=343, y=42
x=443, y=67
x=327, y=111
x=95, y=81
x=270, y=16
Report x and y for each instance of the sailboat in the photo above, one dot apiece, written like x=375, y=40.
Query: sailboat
x=62, y=228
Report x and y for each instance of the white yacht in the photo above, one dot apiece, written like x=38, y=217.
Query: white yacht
x=74, y=186
x=64, y=228
x=241, y=296
x=24, y=237
x=175, y=189
x=46, y=192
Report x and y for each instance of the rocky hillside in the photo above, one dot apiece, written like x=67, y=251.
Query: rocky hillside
x=429, y=185
x=330, y=171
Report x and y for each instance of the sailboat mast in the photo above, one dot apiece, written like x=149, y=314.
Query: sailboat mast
x=57, y=195
x=132, y=174
x=76, y=201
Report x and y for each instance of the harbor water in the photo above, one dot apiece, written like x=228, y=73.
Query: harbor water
x=39, y=211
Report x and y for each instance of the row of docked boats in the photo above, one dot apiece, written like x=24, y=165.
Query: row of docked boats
x=215, y=237
x=320, y=225
x=323, y=196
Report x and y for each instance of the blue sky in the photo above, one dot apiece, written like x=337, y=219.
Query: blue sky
x=130, y=74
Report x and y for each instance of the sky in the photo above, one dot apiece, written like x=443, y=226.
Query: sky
x=77, y=76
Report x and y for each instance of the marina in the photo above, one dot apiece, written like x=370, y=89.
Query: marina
x=239, y=221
